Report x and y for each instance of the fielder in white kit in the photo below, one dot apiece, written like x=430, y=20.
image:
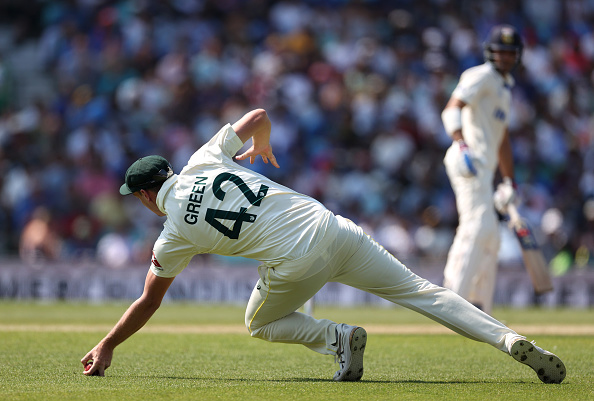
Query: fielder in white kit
x=476, y=117
x=215, y=205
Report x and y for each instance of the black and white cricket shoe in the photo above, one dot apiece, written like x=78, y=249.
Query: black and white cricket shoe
x=548, y=366
x=351, y=342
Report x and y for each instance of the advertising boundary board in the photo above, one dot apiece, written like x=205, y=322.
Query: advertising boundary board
x=233, y=284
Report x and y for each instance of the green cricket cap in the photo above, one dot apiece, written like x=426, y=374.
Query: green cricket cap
x=145, y=173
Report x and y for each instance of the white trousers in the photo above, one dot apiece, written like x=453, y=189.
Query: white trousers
x=471, y=267
x=355, y=259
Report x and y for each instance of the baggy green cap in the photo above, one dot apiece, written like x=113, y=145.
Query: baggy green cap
x=145, y=173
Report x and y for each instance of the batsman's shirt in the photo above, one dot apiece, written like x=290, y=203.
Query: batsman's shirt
x=217, y=206
x=487, y=95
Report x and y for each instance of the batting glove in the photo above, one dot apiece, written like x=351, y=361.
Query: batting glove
x=466, y=163
x=505, y=195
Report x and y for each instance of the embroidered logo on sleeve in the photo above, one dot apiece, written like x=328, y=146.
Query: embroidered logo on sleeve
x=155, y=262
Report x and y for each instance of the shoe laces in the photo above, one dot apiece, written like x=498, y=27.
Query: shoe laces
x=544, y=351
x=339, y=357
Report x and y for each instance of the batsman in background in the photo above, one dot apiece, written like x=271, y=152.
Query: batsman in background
x=476, y=118
x=216, y=206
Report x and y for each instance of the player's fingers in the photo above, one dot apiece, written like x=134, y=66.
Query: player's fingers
x=90, y=367
x=269, y=156
x=273, y=160
x=94, y=368
x=248, y=153
x=95, y=371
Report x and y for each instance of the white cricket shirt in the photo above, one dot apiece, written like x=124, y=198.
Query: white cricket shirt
x=487, y=95
x=217, y=206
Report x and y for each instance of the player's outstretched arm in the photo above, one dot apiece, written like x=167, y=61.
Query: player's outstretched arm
x=131, y=321
x=255, y=125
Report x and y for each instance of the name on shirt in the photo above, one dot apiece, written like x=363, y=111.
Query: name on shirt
x=195, y=201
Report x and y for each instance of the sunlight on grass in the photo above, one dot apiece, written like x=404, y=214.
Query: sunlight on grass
x=44, y=365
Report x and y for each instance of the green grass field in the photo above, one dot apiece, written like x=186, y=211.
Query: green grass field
x=202, y=352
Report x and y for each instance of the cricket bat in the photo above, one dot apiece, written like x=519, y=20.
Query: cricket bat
x=534, y=261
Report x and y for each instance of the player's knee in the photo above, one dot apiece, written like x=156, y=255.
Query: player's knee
x=252, y=326
x=249, y=323
x=257, y=332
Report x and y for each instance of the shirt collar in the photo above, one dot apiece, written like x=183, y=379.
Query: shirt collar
x=163, y=192
x=508, y=80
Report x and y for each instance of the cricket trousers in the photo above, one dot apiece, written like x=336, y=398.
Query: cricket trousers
x=471, y=267
x=355, y=259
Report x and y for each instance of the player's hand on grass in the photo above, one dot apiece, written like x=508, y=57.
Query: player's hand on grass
x=97, y=360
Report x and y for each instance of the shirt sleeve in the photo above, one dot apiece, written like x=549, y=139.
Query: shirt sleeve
x=225, y=144
x=470, y=87
x=170, y=257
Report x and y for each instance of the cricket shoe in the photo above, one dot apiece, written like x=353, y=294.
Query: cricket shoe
x=548, y=366
x=351, y=341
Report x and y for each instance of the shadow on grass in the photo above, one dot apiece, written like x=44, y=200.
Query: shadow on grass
x=318, y=380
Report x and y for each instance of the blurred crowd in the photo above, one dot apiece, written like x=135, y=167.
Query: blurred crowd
x=354, y=90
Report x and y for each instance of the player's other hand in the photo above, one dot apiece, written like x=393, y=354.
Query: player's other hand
x=466, y=162
x=264, y=150
x=505, y=195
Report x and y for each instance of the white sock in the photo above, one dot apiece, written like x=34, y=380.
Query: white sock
x=511, y=338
